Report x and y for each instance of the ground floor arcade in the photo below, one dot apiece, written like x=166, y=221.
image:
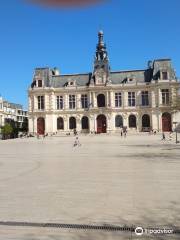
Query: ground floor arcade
x=100, y=122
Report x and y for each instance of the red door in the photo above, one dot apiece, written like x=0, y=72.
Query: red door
x=101, y=124
x=166, y=122
x=40, y=126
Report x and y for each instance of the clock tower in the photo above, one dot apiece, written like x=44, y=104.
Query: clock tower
x=101, y=72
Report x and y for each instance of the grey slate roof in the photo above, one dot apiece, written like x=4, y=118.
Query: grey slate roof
x=80, y=79
x=51, y=79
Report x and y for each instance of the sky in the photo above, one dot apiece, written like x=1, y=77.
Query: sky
x=31, y=36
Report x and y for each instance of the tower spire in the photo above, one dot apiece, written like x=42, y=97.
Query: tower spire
x=101, y=74
x=101, y=52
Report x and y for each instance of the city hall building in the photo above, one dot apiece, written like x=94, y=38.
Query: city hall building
x=103, y=101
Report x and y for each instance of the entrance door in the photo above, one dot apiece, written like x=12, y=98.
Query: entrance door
x=145, y=123
x=101, y=124
x=166, y=122
x=40, y=126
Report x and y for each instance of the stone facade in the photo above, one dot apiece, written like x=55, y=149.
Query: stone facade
x=104, y=101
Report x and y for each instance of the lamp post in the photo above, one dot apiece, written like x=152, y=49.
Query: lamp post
x=176, y=132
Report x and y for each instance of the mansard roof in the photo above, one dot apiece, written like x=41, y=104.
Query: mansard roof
x=102, y=74
x=52, y=79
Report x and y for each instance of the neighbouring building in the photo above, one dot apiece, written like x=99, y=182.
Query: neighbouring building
x=103, y=100
x=11, y=112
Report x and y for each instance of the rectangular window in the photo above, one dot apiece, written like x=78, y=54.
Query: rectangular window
x=72, y=101
x=84, y=101
x=59, y=102
x=131, y=99
x=165, y=96
x=164, y=75
x=39, y=83
x=145, y=98
x=41, y=102
x=118, y=100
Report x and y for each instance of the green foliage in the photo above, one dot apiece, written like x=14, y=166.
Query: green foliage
x=7, y=130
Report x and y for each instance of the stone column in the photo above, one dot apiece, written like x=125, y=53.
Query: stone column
x=30, y=104
x=152, y=99
x=65, y=123
x=35, y=100
x=94, y=100
x=66, y=98
x=138, y=98
x=125, y=99
x=52, y=101
x=89, y=100
x=78, y=123
x=112, y=99
x=107, y=99
x=159, y=97
x=78, y=101
x=47, y=100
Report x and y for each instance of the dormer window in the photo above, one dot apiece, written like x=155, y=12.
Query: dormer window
x=39, y=83
x=164, y=75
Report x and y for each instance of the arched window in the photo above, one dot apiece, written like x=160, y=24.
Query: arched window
x=85, y=122
x=72, y=123
x=101, y=124
x=60, y=123
x=145, y=121
x=132, y=121
x=166, y=122
x=41, y=126
x=101, y=100
x=118, y=121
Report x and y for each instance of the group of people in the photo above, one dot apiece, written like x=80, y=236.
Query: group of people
x=124, y=132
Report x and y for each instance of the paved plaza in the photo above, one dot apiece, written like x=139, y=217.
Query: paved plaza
x=107, y=180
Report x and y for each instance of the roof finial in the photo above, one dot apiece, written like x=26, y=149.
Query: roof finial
x=101, y=37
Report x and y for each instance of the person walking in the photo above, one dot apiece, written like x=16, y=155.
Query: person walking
x=163, y=136
x=121, y=133
x=77, y=142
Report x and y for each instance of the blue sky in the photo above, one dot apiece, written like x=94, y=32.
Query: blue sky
x=34, y=36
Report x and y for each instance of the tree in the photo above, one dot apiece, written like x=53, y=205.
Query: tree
x=7, y=130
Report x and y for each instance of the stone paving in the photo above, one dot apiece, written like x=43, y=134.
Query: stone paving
x=107, y=180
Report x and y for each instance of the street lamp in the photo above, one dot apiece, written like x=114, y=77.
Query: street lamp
x=176, y=132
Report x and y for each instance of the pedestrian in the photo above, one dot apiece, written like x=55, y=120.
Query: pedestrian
x=163, y=136
x=77, y=142
x=170, y=136
x=121, y=133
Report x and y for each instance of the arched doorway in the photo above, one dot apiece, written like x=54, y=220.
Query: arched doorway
x=60, y=123
x=40, y=126
x=132, y=121
x=146, y=122
x=166, y=122
x=101, y=100
x=72, y=123
x=119, y=121
x=101, y=124
x=85, y=123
